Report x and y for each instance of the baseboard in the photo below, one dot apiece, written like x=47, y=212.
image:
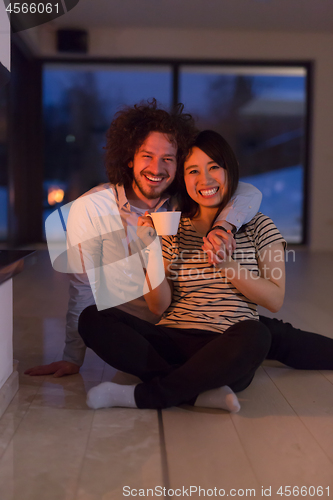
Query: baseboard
x=8, y=391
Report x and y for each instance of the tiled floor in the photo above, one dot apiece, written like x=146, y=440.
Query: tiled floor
x=52, y=447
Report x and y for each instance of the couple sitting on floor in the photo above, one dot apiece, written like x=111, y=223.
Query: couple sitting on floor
x=210, y=340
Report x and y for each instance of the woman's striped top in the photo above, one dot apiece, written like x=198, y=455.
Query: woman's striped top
x=203, y=298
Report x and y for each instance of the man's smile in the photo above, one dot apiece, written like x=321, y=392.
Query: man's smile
x=155, y=179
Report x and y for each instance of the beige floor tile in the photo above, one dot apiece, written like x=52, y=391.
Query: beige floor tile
x=311, y=397
x=311, y=317
x=123, y=450
x=37, y=333
x=281, y=450
x=65, y=392
x=37, y=340
x=14, y=415
x=328, y=375
x=203, y=449
x=44, y=458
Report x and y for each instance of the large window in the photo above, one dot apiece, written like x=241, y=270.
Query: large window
x=261, y=110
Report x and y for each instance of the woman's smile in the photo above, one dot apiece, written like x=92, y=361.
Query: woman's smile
x=208, y=193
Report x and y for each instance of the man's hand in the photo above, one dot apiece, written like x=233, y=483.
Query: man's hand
x=57, y=369
x=145, y=220
x=146, y=230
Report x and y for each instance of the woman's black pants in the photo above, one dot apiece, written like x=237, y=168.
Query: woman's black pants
x=175, y=365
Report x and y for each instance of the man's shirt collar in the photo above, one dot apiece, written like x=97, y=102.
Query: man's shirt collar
x=122, y=198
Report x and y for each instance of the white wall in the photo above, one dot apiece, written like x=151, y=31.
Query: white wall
x=245, y=45
x=6, y=330
x=4, y=37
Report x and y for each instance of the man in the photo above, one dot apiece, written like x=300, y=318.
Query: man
x=145, y=145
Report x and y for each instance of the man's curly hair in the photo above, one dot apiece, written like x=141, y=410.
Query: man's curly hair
x=130, y=128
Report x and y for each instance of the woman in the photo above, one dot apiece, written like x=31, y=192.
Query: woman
x=209, y=341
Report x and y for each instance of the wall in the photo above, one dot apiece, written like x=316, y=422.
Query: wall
x=4, y=37
x=314, y=47
x=6, y=331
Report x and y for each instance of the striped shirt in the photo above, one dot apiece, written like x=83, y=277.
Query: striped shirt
x=203, y=298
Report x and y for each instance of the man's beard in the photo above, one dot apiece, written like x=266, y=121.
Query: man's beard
x=151, y=193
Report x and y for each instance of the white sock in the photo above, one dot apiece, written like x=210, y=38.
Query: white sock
x=108, y=394
x=223, y=398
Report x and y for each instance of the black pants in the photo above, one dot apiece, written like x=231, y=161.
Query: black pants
x=298, y=348
x=175, y=365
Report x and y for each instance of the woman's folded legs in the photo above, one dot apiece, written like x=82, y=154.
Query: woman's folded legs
x=109, y=394
x=230, y=359
x=140, y=348
x=175, y=365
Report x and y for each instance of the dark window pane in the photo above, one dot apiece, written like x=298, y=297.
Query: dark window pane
x=79, y=105
x=262, y=114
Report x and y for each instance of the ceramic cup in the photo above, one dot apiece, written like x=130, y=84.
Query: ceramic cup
x=166, y=223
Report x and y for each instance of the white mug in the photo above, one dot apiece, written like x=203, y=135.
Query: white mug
x=166, y=223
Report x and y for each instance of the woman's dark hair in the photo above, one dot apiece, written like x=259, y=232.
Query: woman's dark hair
x=217, y=148
x=130, y=128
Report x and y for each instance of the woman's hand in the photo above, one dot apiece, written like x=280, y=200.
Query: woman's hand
x=219, y=245
x=216, y=248
x=223, y=241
